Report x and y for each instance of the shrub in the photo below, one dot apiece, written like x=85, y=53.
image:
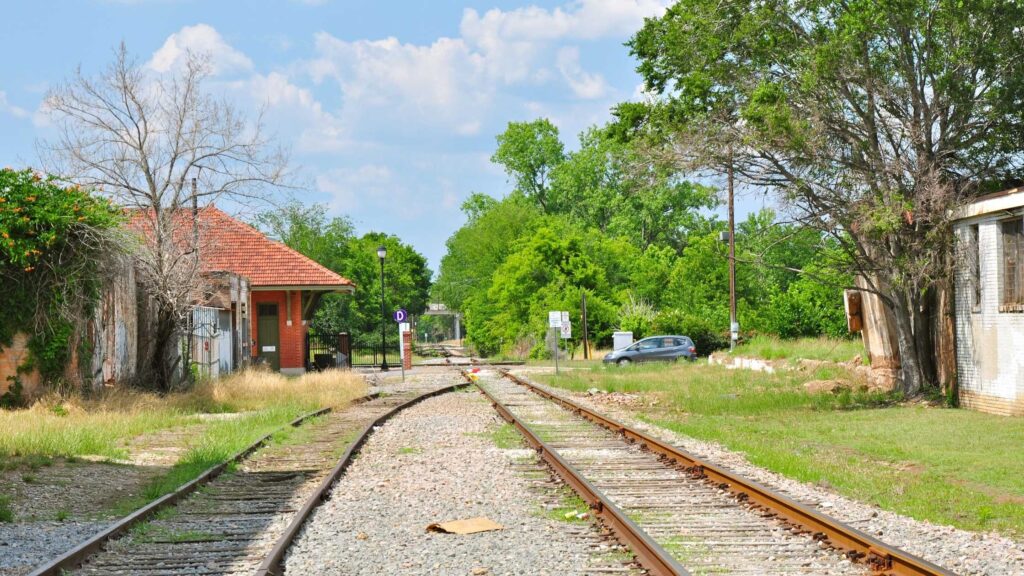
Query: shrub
x=705, y=337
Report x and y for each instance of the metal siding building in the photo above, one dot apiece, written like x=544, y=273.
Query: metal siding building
x=989, y=280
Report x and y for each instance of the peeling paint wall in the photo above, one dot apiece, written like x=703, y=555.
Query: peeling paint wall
x=113, y=331
x=989, y=343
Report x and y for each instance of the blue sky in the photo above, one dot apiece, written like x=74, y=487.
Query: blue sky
x=389, y=108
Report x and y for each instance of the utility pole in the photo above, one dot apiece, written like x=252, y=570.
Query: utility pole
x=586, y=341
x=734, y=327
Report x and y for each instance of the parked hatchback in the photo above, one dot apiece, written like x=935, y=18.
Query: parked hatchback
x=654, y=349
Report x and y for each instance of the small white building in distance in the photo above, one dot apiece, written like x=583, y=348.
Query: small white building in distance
x=989, y=286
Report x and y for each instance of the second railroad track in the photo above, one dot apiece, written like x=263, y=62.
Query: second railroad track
x=679, y=514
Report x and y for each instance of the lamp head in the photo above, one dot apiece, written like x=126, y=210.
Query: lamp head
x=382, y=252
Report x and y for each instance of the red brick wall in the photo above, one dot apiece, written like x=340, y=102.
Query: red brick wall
x=10, y=358
x=293, y=338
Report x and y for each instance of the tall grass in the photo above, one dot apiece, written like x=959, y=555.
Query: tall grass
x=821, y=348
x=100, y=426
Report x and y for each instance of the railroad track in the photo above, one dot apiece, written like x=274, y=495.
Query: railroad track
x=240, y=522
x=679, y=514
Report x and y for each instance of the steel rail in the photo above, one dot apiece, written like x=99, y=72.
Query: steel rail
x=272, y=563
x=73, y=558
x=649, y=553
x=879, y=556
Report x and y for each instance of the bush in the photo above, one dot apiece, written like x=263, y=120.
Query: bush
x=705, y=337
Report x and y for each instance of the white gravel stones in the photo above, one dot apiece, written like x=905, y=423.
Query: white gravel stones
x=962, y=552
x=25, y=545
x=434, y=463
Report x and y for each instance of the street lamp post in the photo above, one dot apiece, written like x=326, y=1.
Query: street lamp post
x=382, y=252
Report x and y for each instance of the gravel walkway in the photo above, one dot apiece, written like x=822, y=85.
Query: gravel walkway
x=435, y=463
x=963, y=552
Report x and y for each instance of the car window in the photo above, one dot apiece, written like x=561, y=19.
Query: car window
x=668, y=343
x=647, y=344
x=683, y=342
x=633, y=348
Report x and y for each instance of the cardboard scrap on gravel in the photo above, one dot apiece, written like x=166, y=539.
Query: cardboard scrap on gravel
x=469, y=526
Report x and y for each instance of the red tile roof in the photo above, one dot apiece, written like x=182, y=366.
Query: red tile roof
x=232, y=245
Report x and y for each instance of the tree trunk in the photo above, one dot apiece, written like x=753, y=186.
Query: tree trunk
x=903, y=311
x=161, y=366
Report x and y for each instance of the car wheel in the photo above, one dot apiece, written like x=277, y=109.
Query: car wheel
x=624, y=362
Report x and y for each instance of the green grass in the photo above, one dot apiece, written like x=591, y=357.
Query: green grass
x=568, y=507
x=6, y=512
x=219, y=441
x=947, y=466
x=62, y=515
x=823, y=348
x=506, y=437
x=409, y=450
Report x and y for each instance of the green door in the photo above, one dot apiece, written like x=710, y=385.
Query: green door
x=268, y=335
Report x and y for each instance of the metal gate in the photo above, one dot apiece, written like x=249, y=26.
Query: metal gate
x=204, y=345
x=325, y=351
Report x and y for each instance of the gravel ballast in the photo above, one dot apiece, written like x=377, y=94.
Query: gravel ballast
x=960, y=551
x=435, y=462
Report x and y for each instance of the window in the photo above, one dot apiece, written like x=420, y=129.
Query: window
x=1012, y=232
x=974, y=260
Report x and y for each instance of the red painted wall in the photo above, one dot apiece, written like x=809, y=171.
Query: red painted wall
x=293, y=338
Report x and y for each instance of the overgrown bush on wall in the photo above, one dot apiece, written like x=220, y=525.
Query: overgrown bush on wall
x=54, y=240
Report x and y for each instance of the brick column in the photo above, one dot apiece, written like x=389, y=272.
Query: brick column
x=407, y=350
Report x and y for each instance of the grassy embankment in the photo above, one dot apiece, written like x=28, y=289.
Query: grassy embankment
x=830, y=349
x=76, y=427
x=943, y=465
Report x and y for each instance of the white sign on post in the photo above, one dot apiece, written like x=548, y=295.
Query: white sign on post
x=566, y=326
x=403, y=327
x=554, y=319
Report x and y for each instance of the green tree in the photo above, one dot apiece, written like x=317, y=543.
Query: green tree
x=476, y=249
x=308, y=230
x=873, y=119
x=529, y=151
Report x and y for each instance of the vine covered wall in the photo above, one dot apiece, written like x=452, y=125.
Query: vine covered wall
x=55, y=242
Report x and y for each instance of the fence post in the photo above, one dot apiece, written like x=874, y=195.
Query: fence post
x=345, y=347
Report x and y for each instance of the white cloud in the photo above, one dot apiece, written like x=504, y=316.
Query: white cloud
x=581, y=19
x=350, y=187
x=440, y=83
x=199, y=39
x=584, y=84
x=11, y=109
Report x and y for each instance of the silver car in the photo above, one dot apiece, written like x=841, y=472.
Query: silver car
x=654, y=349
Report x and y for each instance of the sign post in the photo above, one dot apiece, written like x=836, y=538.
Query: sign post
x=554, y=322
x=401, y=316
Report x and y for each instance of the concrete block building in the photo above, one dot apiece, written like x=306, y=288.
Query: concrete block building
x=989, y=291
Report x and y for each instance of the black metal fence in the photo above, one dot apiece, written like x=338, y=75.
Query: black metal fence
x=374, y=355
x=325, y=351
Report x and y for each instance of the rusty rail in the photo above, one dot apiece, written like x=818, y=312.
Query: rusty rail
x=879, y=556
x=272, y=564
x=649, y=553
x=74, y=557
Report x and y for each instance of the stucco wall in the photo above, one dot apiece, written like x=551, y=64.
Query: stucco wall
x=989, y=343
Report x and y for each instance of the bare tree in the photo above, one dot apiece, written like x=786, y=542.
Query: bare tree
x=161, y=147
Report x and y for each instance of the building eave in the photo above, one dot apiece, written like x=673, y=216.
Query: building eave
x=344, y=289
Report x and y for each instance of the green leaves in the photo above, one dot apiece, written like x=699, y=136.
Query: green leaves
x=52, y=243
